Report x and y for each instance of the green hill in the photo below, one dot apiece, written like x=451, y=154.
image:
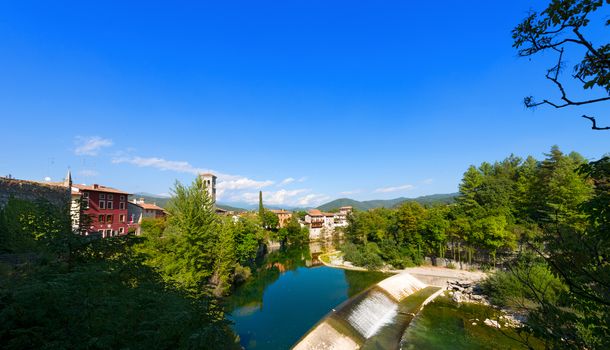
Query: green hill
x=388, y=203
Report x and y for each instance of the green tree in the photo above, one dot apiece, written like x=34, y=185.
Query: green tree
x=270, y=220
x=196, y=227
x=261, y=208
x=248, y=236
x=435, y=228
x=100, y=295
x=225, y=260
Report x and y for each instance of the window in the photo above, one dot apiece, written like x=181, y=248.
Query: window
x=109, y=219
x=110, y=197
x=85, y=203
x=122, y=205
x=109, y=205
x=102, y=205
x=85, y=194
x=121, y=230
x=122, y=198
x=108, y=233
x=100, y=218
x=121, y=218
x=102, y=196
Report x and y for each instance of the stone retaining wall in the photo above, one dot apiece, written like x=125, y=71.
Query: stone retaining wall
x=55, y=193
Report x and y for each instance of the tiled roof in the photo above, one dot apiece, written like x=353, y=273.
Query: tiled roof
x=149, y=206
x=315, y=212
x=99, y=188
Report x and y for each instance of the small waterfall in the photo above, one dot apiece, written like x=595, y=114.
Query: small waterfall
x=401, y=286
x=372, y=313
x=359, y=319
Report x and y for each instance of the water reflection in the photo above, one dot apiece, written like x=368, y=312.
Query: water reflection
x=288, y=293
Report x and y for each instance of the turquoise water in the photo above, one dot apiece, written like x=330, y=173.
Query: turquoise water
x=444, y=324
x=292, y=291
x=288, y=295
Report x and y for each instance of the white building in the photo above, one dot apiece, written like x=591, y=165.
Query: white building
x=322, y=225
x=209, y=180
x=341, y=216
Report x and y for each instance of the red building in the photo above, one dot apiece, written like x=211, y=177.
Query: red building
x=106, y=206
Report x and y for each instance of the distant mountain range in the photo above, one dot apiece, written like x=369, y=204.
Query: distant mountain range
x=388, y=203
x=336, y=204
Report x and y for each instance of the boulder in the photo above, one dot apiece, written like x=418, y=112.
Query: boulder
x=492, y=323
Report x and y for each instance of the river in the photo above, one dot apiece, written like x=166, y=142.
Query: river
x=290, y=293
x=292, y=290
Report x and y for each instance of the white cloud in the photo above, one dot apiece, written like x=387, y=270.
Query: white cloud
x=242, y=183
x=161, y=164
x=226, y=183
x=88, y=173
x=394, y=189
x=90, y=146
x=347, y=193
x=428, y=181
x=287, y=181
x=290, y=180
x=281, y=197
x=312, y=200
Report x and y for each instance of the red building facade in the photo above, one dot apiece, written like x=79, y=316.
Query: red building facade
x=106, y=207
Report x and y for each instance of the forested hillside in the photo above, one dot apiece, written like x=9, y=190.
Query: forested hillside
x=433, y=199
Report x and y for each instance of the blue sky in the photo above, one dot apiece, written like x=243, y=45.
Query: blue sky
x=305, y=100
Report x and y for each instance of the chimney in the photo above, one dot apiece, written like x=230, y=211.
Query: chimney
x=96, y=186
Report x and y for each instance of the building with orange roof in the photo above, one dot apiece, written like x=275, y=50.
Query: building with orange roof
x=283, y=216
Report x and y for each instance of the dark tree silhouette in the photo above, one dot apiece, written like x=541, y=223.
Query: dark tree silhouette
x=557, y=28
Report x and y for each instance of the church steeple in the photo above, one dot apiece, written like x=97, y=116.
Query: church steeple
x=68, y=179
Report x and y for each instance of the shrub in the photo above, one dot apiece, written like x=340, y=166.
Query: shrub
x=241, y=274
x=364, y=256
x=522, y=285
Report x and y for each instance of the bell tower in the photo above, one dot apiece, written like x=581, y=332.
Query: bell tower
x=209, y=181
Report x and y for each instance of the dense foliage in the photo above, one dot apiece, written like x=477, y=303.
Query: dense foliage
x=197, y=249
x=546, y=222
x=60, y=290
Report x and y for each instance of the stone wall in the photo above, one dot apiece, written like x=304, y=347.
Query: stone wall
x=445, y=262
x=57, y=194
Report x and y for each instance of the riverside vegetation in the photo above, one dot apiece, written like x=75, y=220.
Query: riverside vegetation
x=545, y=222
x=157, y=290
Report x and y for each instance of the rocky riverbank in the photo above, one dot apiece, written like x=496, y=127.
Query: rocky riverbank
x=471, y=292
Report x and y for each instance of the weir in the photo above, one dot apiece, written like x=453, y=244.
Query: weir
x=374, y=318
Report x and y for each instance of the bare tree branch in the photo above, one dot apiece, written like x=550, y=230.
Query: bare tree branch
x=595, y=127
x=554, y=29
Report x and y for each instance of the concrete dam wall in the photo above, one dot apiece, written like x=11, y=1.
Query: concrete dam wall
x=376, y=318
